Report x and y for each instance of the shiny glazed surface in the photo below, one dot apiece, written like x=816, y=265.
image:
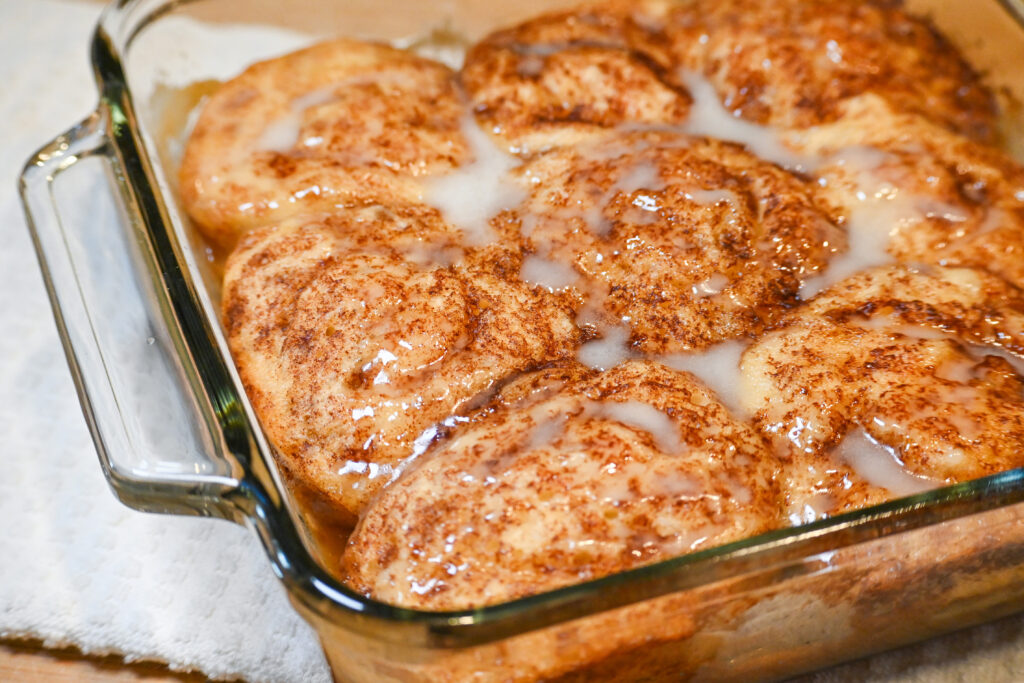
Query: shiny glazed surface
x=376, y=330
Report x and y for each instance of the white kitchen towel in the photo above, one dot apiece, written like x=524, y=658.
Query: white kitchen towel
x=77, y=568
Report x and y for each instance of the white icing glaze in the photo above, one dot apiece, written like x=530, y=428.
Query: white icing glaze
x=611, y=482
x=282, y=135
x=608, y=351
x=867, y=243
x=642, y=176
x=638, y=176
x=550, y=425
x=645, y=417
x=710, y=119
x=880, y=465
x=956, y=370
x=1015, y=361
x=547, y=273
x=713, y=285
x=718, y=367
x=891, y=322
x=953, y=370
x=474, y=193
x=881, y=212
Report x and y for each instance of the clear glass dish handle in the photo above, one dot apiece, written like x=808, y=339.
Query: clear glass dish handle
x=160, y=444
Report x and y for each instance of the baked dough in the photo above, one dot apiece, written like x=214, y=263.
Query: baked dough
x=906, y=356
x=600, y=474
x=568, y=76
x=355, y=345
x=689, y=241
x=793, y=63
x=342, y=123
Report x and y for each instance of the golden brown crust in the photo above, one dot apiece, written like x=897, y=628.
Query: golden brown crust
x=370, y=331
x=353, y=349
x=690, y=240
x=609, y=472
x=792, y=63
x=567, y=76
x=341, y=122
x=888, y=352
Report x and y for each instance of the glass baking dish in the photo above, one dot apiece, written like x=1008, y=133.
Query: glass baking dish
x=135, y=305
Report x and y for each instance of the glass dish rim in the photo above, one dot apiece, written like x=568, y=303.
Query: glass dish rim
x=258, y=502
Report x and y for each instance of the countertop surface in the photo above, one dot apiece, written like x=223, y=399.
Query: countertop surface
x=28, y=662
x=58, y=621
